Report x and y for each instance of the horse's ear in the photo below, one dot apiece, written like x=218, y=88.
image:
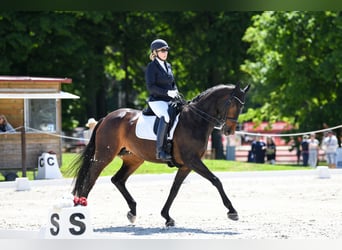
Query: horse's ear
x=246, y=88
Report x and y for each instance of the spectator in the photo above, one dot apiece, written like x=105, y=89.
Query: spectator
x=5, y=126
x=305, y=150
x=313, y=150
x=87, y=133
x=258, y=150
x=250, y=157
x=270, y=150
x=330, y=145
x=296, y=144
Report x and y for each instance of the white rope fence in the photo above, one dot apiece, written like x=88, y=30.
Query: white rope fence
x=28, y=129
x=290, y=134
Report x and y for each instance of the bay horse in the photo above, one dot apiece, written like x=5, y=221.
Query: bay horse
x=218, y=106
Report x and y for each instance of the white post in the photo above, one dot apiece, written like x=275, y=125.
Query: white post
x=48, y=167
x=69, y=223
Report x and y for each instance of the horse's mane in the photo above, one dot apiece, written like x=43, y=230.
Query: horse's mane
x=210, y=90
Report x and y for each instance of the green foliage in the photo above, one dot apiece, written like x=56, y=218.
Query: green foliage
x=295, y=62
x=105, y=53
x=292, y=58
x=207, y=50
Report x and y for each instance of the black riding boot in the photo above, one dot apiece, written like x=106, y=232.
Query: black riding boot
x=161, y=140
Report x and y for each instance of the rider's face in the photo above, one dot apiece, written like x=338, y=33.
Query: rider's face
x=162, y=53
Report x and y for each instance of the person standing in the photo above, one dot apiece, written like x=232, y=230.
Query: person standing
x=313, y=150
x=270, y=150
x=162, y=90
x=330, y=145
x=258, y=150
x=305, y=150
x=296, y=144
x=90, y=125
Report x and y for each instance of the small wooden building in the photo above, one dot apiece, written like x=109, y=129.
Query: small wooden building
x=32, y=105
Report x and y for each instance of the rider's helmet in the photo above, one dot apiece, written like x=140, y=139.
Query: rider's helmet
x=158, y=44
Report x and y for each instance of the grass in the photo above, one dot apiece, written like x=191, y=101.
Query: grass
x=154, y=168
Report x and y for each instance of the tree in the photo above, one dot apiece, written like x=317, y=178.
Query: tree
x=64, y=44
x=127, y=55
x=207, y=50
x=295, y=67
x=105, y=53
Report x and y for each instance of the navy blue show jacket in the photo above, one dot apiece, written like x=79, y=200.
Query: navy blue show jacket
x=159, y=81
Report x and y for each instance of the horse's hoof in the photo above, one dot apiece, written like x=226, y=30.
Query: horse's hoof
x=131, y=217
x=233, y=216
x=170, y=223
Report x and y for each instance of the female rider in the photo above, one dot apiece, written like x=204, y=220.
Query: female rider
x=162, y=89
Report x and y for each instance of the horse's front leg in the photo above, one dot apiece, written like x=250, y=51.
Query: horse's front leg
x=182, y=173
x=198, y=166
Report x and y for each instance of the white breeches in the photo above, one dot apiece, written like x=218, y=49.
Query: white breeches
x=160, y=109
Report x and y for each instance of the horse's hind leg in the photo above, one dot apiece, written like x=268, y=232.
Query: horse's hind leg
x=92, y=165
x=129, y=165
x=87, y=183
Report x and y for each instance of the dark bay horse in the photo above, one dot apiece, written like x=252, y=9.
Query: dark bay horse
x=218, y=106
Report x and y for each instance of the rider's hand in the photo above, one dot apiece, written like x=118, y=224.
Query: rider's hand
x=172, y=93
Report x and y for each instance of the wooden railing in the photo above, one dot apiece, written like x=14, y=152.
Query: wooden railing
x=20, y=150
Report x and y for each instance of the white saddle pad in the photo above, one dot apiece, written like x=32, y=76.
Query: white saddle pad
x=144, y=127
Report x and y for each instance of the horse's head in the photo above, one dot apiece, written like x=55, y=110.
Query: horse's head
x=220, y=106
x=233, y=107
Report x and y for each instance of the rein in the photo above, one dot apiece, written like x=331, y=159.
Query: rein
x=218, y=123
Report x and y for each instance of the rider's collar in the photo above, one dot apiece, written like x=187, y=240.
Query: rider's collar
x=162, y=63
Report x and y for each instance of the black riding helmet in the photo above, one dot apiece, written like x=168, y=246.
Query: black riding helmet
x=158, y=44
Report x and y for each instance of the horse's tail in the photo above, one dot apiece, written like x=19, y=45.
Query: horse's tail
x=82, y=163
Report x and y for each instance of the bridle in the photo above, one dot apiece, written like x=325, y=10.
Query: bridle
x=217, y=121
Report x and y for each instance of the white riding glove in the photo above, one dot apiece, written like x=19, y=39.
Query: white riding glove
x=172, y=93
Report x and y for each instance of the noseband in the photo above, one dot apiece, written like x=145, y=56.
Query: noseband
x=217, y=121
x=234, y=119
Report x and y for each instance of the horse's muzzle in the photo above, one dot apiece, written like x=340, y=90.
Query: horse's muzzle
x=228, y=130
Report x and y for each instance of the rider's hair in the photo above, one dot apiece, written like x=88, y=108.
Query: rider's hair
x=153, y=55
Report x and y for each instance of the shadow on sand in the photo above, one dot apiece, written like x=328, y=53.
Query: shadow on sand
x=142, y=231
